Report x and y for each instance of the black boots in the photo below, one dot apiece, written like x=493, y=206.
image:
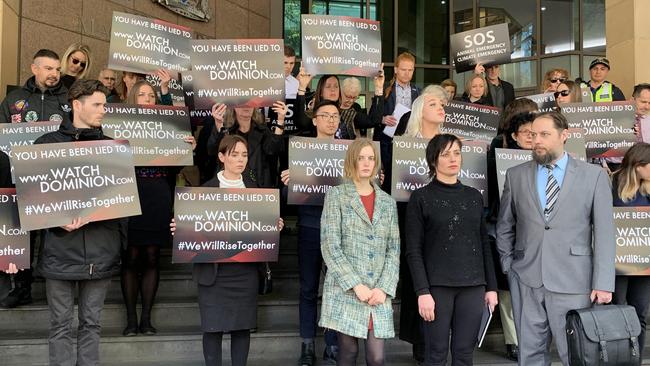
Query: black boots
x=307, y=354
x=18, y=296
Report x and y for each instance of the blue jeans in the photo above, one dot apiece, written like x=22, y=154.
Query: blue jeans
x=310, y=261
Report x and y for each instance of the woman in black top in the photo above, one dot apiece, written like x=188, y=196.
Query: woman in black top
x=449, y=256
x=476, y=91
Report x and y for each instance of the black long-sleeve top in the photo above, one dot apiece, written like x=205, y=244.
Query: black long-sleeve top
x=446, y=239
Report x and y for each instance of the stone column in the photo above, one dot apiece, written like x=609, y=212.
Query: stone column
x=628, y=42
x=9, y=44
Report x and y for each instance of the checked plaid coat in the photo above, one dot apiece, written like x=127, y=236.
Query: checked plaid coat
x=357, y=251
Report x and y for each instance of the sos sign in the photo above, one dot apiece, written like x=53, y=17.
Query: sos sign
x=487, y=45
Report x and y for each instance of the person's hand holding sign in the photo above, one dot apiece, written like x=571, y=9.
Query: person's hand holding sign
x=218, y=110
x=479, y=69
x=165, y=77
x=280, y=109
x=76, y=224
x=190, y=140
x=303, y=81
x=12, y=269
x=379, y=81
x=284, y=177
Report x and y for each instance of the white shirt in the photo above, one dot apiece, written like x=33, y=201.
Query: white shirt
x=290, y=87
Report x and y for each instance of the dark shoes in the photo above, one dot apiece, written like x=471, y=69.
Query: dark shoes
x=18, y=296
x=146, y=327
x=131, y=329
x=330, y=354
x=512, y=352
x=307, y=355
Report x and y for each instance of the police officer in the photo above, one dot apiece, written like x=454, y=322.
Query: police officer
x=601, y=89
x=43, y=97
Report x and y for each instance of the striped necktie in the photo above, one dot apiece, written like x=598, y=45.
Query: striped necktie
x=552, y=190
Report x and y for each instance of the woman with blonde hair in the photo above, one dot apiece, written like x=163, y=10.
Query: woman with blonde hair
x=631, y=187
x=360, y=244
x=567, y=92
x=428, y=113
x=75, y=63
x=476, y=91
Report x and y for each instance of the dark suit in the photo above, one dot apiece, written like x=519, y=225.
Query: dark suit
x=508, y=94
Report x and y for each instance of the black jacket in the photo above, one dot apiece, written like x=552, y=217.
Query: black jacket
x=485, y=100
x=263, y=148
x=30, y=104
x=389, y=107
x=206, y=273
x=5, y=171
x=508, y=93
x=90, y=252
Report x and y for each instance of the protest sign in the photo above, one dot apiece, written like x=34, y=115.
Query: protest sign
x=411, y=171
x=506, y=159
x=487, y=46
x=140, y=44
x=608, y=127
x=238, y=72
x=545, y=102
x=290, y=127
x=632, y=240
x=91, y=180
x=155, y=132
x=23, y=134
x=196, y=115
x=226, y=225
x=471, y=121
x=340, y=45
x=14, y=242
x=644, y=128
x=175, y=89
x=575, y=144
x=315, y=165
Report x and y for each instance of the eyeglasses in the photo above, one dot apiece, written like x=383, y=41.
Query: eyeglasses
x=330, y=117
x=560, y=80
x=525, y=132
x=76, y=61
x=564, y=93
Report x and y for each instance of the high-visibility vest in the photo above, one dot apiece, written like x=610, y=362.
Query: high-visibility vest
x=604, y=93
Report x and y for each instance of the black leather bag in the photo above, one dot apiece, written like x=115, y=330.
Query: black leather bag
x=603, y=335
x=266, y=280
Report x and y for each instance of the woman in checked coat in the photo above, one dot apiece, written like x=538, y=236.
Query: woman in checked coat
x=360, y=245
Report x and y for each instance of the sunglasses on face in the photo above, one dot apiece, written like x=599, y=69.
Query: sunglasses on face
x=76, y=61
x=560, y=80
x=564, y=93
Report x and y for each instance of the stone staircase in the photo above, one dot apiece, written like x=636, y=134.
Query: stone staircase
x=23, y=335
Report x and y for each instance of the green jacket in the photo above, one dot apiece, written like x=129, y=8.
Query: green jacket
x=357, y=251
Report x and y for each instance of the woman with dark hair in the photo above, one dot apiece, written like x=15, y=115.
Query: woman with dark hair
x=329, y=88
x=148, y=232
x=631, y=187
x=264, y=145
x=449, y=256
x=360, y=245
x=228, y=291
x=129, y=79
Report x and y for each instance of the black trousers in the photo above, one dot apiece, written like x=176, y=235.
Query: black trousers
x=634, y=291
x=458, y=309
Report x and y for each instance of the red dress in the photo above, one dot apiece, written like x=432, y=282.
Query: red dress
x=369, y=204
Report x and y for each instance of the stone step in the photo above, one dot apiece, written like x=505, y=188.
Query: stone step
x=177, y=284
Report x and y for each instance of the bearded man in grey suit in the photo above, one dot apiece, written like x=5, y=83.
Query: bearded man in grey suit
x=555, y=237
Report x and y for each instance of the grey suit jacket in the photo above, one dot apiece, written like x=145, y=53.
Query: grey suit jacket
x=573, y=251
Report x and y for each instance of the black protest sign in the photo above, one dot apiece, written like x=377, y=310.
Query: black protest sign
x=196, y=115
x=575, y=144
x=545, y=102
x=632, y=240
x=506, y=159
x=175, y=89
x=471, y=121
x=289, y=125
x=315, y=165
x=91, y=180
x=238, y=72
x=487, y=46
x=226, y=225
x=14, y=242
x=340, y=45
x=155, y=133
x=608, y=127
x=23, y=134
x=411, y=171
x=140, y=44
x=410, y=168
